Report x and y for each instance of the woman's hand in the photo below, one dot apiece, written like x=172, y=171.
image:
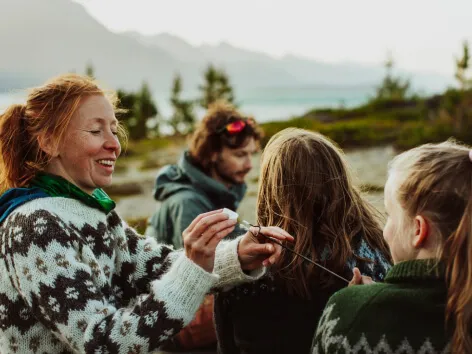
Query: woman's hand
x=203, y=235
x=256, y=251
x=359, y=279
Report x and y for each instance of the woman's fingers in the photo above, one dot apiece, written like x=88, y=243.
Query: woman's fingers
x=273, y=231
x=203, y=235
x=200, y=217
x=264, y=250
x=213, y=243
x=275, y=255
x=215, y=231
x=205, y=223
x=260, y=250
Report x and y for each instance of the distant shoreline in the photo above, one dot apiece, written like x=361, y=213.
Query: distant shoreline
x=265, y=105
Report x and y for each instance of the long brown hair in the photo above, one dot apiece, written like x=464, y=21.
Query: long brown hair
x=46, y=113
x=435, y=181
x=207, y=138
x=306, y=189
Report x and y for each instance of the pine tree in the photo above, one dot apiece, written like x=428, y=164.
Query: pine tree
x=462, y=65
x=127, y=102
x=89, y=71
x=216, y=86
x=392, y=87
x=145, y=110
x=462, y=112
x=138, y=108
x=183, y=118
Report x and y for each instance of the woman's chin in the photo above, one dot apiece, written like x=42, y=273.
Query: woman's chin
x=103, y=182
x=107, y=183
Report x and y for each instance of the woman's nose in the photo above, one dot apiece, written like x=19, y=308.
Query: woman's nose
x=112, y=143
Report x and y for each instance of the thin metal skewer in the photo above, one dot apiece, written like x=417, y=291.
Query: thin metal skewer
x=246, y=225
x=295, y=252
x=305, y=258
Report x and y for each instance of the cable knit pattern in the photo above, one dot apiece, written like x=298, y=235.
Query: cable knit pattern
x=405, y=314
x=75, y=280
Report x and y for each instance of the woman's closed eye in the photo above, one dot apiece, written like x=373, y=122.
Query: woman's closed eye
x=96, y=132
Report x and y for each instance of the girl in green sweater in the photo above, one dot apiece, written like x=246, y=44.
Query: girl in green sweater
x=425, y=303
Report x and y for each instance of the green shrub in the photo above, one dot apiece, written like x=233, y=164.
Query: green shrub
x=144, y=146
x=361, y=132
x=416, y=133
x=272, y=128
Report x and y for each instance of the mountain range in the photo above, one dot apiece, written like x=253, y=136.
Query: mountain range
x=39, y=39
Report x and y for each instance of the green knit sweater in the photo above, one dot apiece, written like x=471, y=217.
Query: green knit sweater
x=405, y=314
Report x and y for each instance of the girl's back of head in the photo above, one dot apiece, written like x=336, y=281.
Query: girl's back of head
x=435, y=181
x=307, y=189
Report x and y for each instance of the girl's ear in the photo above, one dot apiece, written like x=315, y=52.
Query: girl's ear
x=48, y=145
x=422, y=231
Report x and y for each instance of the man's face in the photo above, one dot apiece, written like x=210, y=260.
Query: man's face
x=230, y=166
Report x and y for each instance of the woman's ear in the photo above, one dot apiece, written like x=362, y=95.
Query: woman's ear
x=48, y=145
x=422, y=231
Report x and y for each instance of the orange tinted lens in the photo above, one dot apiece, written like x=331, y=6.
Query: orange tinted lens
x=235, y=127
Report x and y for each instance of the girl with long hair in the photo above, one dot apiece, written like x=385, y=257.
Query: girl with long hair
x=307, y=189
x=425, y=303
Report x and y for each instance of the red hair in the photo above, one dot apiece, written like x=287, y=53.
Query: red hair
x=46, y=114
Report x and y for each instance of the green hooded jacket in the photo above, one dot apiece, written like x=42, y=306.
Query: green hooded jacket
x=183, y=192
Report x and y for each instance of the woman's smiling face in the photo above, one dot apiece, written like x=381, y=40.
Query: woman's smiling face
x=87, y=155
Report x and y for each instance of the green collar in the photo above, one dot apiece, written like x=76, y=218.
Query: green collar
x=416, y=270
x=57, y=186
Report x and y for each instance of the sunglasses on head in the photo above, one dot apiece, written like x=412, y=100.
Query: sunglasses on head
x=234, y=127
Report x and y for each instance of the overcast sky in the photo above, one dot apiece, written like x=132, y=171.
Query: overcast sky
x=422, y=34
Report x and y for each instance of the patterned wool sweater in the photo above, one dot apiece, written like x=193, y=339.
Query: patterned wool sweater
x=261, y=317
x=405, y=314
x=74, y=280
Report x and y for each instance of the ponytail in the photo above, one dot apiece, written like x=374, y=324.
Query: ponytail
x=435, y=180
x=16, y=146
x=458, y=252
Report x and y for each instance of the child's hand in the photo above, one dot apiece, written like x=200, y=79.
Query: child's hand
x=359, y=279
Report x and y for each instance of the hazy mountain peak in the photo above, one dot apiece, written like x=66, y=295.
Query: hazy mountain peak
x=48, y=37
x=170, y=37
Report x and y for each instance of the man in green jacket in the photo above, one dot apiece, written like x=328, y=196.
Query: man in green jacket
x=209, y=175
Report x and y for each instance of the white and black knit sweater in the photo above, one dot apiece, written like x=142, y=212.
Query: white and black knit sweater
x=74, y=280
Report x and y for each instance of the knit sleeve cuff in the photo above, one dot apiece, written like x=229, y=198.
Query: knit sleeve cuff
x=228, y=267
x=183, y=288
